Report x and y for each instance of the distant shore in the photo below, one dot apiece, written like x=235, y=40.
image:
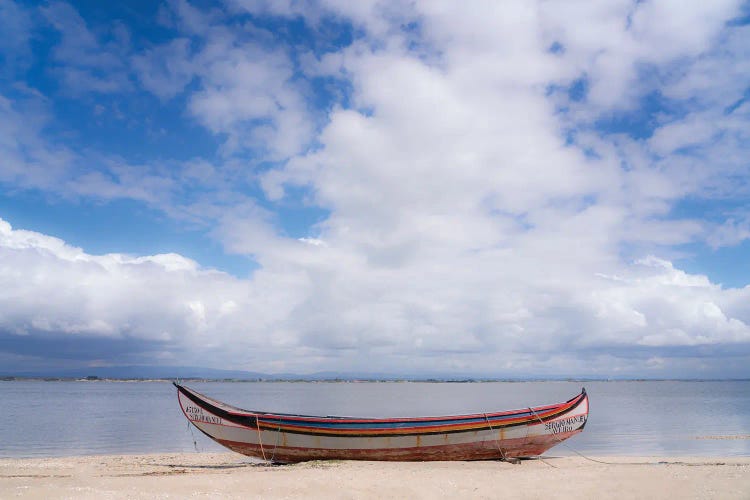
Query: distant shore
x=457, y=380
x=230, y=475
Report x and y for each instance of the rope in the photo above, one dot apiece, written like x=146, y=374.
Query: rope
x=554, y=434
x=527, y=435
x=260, y=441
x=278, y=433
x=195, y=443
x=497, y=441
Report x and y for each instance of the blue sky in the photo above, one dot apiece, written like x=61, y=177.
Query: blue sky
x=526, y=189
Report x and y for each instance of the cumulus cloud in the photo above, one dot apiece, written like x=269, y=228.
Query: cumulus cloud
x=247, y=90
x=248, y=95
x=315, y=305
x=168, y=303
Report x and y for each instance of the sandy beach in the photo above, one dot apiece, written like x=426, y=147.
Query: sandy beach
x=228, y=475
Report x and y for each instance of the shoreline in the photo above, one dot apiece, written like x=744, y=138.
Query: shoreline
x=232, y=475
x=354, y=380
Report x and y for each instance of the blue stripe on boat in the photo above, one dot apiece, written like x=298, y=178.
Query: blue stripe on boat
x=392, y=425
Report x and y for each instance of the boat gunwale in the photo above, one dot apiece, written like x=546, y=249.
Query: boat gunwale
x=529, y=416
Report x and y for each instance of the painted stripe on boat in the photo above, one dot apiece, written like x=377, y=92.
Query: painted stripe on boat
x=385, y=427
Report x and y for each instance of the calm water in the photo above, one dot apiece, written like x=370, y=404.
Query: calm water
x=627, y=418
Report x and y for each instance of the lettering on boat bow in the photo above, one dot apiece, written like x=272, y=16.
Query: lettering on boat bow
x=565, y=425
x=196, y=414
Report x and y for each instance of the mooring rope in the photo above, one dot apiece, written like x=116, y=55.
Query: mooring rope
x=278, y=433
x=497, y=441
x=195, y=443
x=554, y=435
x=260, y=440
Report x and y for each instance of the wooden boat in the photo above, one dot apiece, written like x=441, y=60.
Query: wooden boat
x=286, y=438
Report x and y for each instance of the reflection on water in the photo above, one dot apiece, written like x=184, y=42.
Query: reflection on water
x=627, y=418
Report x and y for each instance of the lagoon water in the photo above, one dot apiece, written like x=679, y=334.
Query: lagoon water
x=649, y=418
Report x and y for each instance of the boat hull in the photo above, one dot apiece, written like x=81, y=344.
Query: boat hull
x=295, y=438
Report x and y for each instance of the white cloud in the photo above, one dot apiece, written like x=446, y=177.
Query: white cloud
x=314, y=306
x=247, y=94
x=30, y=160
x=52, y=290
x=86, y=62
x=732, y=232
x=690, y=131
x=247, y=91
x=610, y=43
x=165, y=70
x=27, y=159
x=456, y=194
x=17, y=29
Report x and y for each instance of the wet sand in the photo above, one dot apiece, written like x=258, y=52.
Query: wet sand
x=228, y=475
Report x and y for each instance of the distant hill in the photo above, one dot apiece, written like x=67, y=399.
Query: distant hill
x=140, y=372
x=196, y=372
x=187, y=372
